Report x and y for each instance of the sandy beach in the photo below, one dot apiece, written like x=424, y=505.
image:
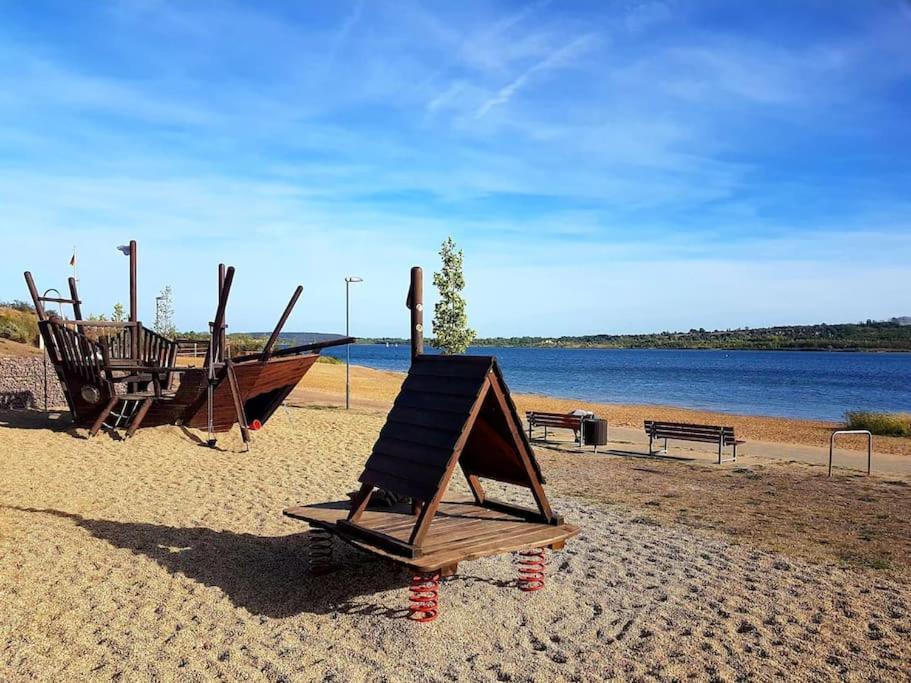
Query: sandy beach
x=159, y=559
x=325, y=385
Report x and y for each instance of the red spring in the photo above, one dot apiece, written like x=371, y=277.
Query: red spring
x=320, y=551
x=424, y=597
x=532, y=565
x=255, y=426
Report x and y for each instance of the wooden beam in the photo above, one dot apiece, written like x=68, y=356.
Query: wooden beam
x=238, y=404
x=389, y=543
x=474, y=483
x=103, y=415
x=139, y=417
x=222, y=335
x=267, y=349
x=216, y=354
x=77, y=305
x=359, y=502
x=534, y=483
x=36, y=298
x=295, y=350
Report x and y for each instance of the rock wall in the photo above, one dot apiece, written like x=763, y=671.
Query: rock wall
x=22, y=383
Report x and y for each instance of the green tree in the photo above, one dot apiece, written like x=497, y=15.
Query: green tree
x=119, y=314
x=450, y=320
x=164, y=313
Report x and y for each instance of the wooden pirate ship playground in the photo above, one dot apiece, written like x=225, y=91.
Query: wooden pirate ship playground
x=452, y=412
x=124, y=375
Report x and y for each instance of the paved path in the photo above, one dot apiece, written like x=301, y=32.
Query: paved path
x=627, y=441
x=634, y=442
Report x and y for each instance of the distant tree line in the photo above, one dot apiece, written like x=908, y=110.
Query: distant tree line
x=870, y=335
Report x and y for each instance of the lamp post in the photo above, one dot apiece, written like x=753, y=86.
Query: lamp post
x=348, y=281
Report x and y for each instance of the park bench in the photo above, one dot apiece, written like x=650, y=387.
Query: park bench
x=555, y=421
x=680, y=431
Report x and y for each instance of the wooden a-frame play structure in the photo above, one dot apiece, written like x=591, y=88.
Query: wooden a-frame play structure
x=452, y=412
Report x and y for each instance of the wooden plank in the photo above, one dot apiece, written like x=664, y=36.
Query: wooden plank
x=430, y=508
x=480, y=531
x=424, y=436
x=412, y=452
x=440, y=403
x=452, y=368
x=406, y=471
x=536, y=535
x=426, y=417
x=432, y=385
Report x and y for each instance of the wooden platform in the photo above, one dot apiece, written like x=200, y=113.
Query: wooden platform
x=461, y=530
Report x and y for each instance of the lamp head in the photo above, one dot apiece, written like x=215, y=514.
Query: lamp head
x=354, y=278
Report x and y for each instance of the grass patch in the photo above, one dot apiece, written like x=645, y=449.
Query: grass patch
x=881, y=424
x=18, y=325
x=330, y=360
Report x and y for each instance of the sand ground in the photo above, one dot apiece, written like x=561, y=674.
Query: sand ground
x=159, y=559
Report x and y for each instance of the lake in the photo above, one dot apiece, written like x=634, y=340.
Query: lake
x=805, y=384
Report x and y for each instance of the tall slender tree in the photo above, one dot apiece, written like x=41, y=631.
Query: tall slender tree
x=451, y=333
x=164, y=313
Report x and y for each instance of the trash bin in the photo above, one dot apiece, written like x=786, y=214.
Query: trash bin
x=594, y=432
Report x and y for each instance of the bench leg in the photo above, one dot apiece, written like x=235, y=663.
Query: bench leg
x=545, y=432
x=665, y=446
x=650, y=451
x=734, y=459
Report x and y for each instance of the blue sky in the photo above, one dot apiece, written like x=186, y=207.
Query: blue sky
x=607, y=166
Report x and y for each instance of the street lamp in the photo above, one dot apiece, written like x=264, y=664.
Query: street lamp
x=348, y=281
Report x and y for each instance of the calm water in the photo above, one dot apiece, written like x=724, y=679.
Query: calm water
x=816, y=385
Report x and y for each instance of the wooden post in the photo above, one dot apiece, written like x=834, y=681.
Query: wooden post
x=415, y=303
x=216, y=350
x=239, y=411
x=222, y=337
x=36, y=298
x=77, y=305
x=267, y=349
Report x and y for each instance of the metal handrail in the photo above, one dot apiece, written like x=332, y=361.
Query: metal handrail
x=853, y=431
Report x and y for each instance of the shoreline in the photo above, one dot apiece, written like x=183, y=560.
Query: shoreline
x=727, y=349
x=376, y=389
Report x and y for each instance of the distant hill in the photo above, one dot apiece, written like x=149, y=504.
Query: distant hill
x=892, y=335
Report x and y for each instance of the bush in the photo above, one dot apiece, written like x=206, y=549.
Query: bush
x=331, y=360
x=19, y=326
x=881, y=424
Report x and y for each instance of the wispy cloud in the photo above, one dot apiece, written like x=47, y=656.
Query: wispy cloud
x=304, y=143
x=557, y=59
